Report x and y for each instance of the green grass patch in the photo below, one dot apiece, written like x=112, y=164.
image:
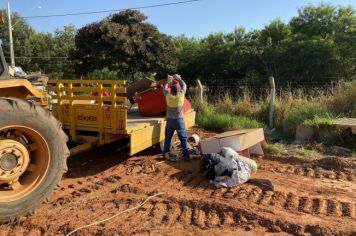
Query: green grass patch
x=302, y=152
x=311, y=114
x=318, y=121
x=213, y=119
x=291, y=150
x=276, y=149
x=220, y=122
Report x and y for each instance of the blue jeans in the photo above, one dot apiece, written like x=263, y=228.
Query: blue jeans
x=179, y=126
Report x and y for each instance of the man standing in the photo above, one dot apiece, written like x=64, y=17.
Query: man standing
x=175, y=118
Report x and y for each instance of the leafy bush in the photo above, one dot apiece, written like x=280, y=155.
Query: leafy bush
x=310, y=113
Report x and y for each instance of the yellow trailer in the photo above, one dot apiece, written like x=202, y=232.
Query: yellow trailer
x=94, y=119
x=35, y=127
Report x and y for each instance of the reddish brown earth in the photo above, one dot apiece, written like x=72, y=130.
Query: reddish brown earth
x=309, y=198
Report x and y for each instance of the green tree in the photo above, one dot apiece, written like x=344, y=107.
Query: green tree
x=312, y=60
x=51, y=52
x=317, y=46
x=322, y=47
x=345, y=38
x=63, y=49
x=315, y=21
x=187, y=50
x=22, y=32
x=37, y=51
x=124, y=42
x=41, y=52
x=271, y=40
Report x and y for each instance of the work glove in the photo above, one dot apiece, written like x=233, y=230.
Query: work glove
x=169, y=79
x=177, y=77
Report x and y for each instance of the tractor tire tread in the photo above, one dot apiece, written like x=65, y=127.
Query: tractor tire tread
x=22, y=105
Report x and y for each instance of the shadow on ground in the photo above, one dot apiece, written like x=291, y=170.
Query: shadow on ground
x=97, y=160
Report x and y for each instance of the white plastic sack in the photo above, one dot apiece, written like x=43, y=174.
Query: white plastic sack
x=240, y=175
x=225, y=164
x=229, y=152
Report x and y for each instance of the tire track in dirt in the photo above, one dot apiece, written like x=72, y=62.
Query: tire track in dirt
x=82, y=190
x=294, y=202
x=192, y=205
x=189, y=212
x=253, y=195
x=205, y=215
x=308, y=172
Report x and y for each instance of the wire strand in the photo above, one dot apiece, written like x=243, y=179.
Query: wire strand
x=113, y=10
x=121, y=212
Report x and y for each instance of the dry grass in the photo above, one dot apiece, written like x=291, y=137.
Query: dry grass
x=295, y=106
x=343, y=100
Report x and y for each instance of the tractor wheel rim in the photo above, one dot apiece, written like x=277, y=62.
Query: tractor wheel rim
x=24, y=162
x=8, y=162
x=14, y=160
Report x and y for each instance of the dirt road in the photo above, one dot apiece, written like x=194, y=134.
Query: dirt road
x=310, y=198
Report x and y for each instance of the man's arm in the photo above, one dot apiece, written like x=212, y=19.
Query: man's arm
x=183, y=85
x=165, y=87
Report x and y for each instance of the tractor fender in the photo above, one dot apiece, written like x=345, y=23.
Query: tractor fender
x=19, y=88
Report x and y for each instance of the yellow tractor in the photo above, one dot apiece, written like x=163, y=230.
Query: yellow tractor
x=36, y=125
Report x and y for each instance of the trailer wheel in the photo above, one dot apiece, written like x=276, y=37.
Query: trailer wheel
x=33, y=155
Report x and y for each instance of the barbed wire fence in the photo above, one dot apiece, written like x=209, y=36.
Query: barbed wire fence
x=237, y=88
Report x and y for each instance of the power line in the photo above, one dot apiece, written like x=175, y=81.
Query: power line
x=113, y=10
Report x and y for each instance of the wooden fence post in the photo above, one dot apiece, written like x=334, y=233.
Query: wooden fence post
x=271, y=101
x=200, y=91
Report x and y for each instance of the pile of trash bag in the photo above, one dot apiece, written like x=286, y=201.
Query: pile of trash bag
x=228, y=169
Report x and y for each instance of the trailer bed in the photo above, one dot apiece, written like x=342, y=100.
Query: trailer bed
x=95, y=119
x=136, y=121
x=145, y=132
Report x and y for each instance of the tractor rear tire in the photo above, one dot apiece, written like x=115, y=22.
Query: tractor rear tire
x=33, y=155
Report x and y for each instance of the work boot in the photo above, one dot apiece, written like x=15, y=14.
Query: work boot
x=171, y=157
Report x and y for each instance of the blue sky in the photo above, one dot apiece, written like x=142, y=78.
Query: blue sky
x=196, y=19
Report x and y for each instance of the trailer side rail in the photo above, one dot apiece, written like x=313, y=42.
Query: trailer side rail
x=90, y=105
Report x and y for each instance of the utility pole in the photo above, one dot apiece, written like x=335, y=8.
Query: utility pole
x=12, y=54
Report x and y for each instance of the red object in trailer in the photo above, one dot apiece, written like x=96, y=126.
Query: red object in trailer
x=153, y=102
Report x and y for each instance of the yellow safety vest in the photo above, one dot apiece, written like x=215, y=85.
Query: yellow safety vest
x=175, y=101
